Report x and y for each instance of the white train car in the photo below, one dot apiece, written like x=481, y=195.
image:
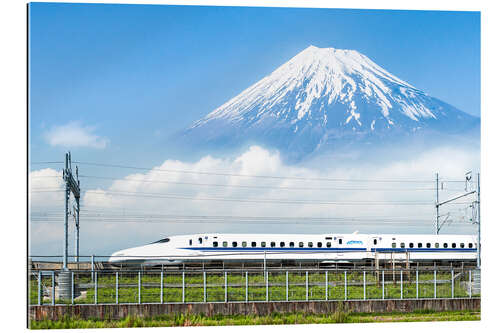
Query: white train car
x=326, y=248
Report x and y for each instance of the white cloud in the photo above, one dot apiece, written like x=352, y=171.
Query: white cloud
x=74, y=134
x=135, y=209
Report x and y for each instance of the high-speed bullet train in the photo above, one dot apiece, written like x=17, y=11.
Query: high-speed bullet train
x=326, y=248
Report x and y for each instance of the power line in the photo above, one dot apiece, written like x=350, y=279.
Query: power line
x=254, y=222
x=167, y=196
x=255, y=186
x=223, y=217
x=259, y=187
x=254, y=176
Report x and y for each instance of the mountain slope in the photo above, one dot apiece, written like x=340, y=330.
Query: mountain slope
x=326, y=96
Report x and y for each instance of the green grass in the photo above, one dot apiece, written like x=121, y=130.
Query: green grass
x=274, y=319
x=172, y=287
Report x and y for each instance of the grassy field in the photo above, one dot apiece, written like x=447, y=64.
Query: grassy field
x=150, y=291
x=275, y=319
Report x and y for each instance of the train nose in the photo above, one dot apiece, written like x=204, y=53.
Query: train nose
x=117, y=257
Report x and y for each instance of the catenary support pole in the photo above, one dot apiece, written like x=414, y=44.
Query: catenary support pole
x=77, y=229
x=478, y=222
x=66, y=213
x=437, y=201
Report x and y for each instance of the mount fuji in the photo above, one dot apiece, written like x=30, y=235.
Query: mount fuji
x=324, y=99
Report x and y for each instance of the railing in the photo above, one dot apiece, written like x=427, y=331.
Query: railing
x=124, y=287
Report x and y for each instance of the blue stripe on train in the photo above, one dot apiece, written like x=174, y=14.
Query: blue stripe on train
x=387, y=249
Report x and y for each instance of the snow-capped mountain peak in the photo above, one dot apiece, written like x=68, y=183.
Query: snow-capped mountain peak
x=323, y=94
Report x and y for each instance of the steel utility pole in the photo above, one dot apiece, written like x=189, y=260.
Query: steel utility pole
x=77, y=221
x=437, y=201
x=438, y=204
x=478, y=222
x=73, y=186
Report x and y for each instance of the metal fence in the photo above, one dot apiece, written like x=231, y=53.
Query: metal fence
x=125, y=287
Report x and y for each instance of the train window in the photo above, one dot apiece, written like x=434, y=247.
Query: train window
x=462, y=245
x=319, y=244
x=243, y=244
x=200, y=240
x=340, y=241
x=428, y=245
x=273, y=244
x=164, y=240
x=301, y=244
x=282, y=244
x=215, y=244
x=254, y=244
x=436, y=245
x=328, y=244
x=292, y=244
x=419, y=245
x=470, y=245
x=374, y=241
x=310, y=244
x=190, y=242
x=393, y=245
x=453, y=245
x=445, y=245
x=328, y=238
x=263, y=244
x=224, y=244
x=411, y=245
x=402, y=245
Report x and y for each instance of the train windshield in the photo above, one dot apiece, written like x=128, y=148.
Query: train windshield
x=164, y=240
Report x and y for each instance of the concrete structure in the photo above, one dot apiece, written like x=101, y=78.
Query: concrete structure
x=118, y=311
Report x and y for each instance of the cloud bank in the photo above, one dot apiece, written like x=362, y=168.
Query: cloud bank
x=216, y=195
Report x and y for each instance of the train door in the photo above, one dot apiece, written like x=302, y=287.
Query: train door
x=340, y=244
x=374, y=243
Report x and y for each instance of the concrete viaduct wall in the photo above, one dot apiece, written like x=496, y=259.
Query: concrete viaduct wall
x=118, y=311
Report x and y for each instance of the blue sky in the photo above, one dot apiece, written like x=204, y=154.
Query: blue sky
x=132, y=75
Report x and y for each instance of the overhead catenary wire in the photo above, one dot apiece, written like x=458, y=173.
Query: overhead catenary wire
x=228, y=199
x=425, y=224
x=257, y=186
x=155, y=169
x=121, y=166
